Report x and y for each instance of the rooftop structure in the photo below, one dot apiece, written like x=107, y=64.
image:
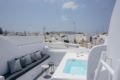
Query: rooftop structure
x=62, y=56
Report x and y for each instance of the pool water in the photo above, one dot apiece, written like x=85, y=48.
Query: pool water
x=76, y=67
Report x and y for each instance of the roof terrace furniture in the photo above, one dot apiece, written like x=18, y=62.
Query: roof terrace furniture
x=25, y=69
x=51, y=67
x=46, y=67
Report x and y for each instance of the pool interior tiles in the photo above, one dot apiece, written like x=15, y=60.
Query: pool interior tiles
x=75, y=67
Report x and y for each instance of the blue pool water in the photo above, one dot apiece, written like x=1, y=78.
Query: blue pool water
x=76, y=67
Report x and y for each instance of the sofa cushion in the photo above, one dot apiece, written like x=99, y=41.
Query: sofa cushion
x=38, y=55
x=23, y=61
x=14, y=65
x=42, y=54
x=28, y=59
x=14, y=76
x=33, y=57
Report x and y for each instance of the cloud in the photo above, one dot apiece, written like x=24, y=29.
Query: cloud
x=70, y=5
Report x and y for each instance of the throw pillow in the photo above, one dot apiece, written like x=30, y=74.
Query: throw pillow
x=14, y=65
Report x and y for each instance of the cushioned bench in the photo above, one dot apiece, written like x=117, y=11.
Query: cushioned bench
x=15, y=75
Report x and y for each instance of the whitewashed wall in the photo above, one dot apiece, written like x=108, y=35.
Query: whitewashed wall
x=114, y=38
x=114, y=34
x=16, y=46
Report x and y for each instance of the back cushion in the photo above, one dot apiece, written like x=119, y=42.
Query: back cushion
x=23, y=61
x=28, y=59
x=42, y=53
x=38, y=55
x=33, y=57
x=14, y=65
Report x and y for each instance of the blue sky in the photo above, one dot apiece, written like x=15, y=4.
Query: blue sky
x=56, y=15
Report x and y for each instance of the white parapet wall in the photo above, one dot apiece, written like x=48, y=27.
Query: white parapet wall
x=113, y=49
x=113, y=36
x=15, y=46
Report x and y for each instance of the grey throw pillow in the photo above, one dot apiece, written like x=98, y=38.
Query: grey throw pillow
x=14, y=65
x=23, y=61
x=33, y=57
x=28, y=59
x=42, y=54
x=38, y=55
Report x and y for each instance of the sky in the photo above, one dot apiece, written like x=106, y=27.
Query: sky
x=91, y=16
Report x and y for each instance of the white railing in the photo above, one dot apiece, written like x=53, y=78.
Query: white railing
x=105, y=62
x=108, y=67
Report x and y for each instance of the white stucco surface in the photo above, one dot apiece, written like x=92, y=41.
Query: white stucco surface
x=15, y=46
x=60, y=75
x=113, y=37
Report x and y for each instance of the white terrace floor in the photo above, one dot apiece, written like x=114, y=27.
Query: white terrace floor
x=71, y=53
